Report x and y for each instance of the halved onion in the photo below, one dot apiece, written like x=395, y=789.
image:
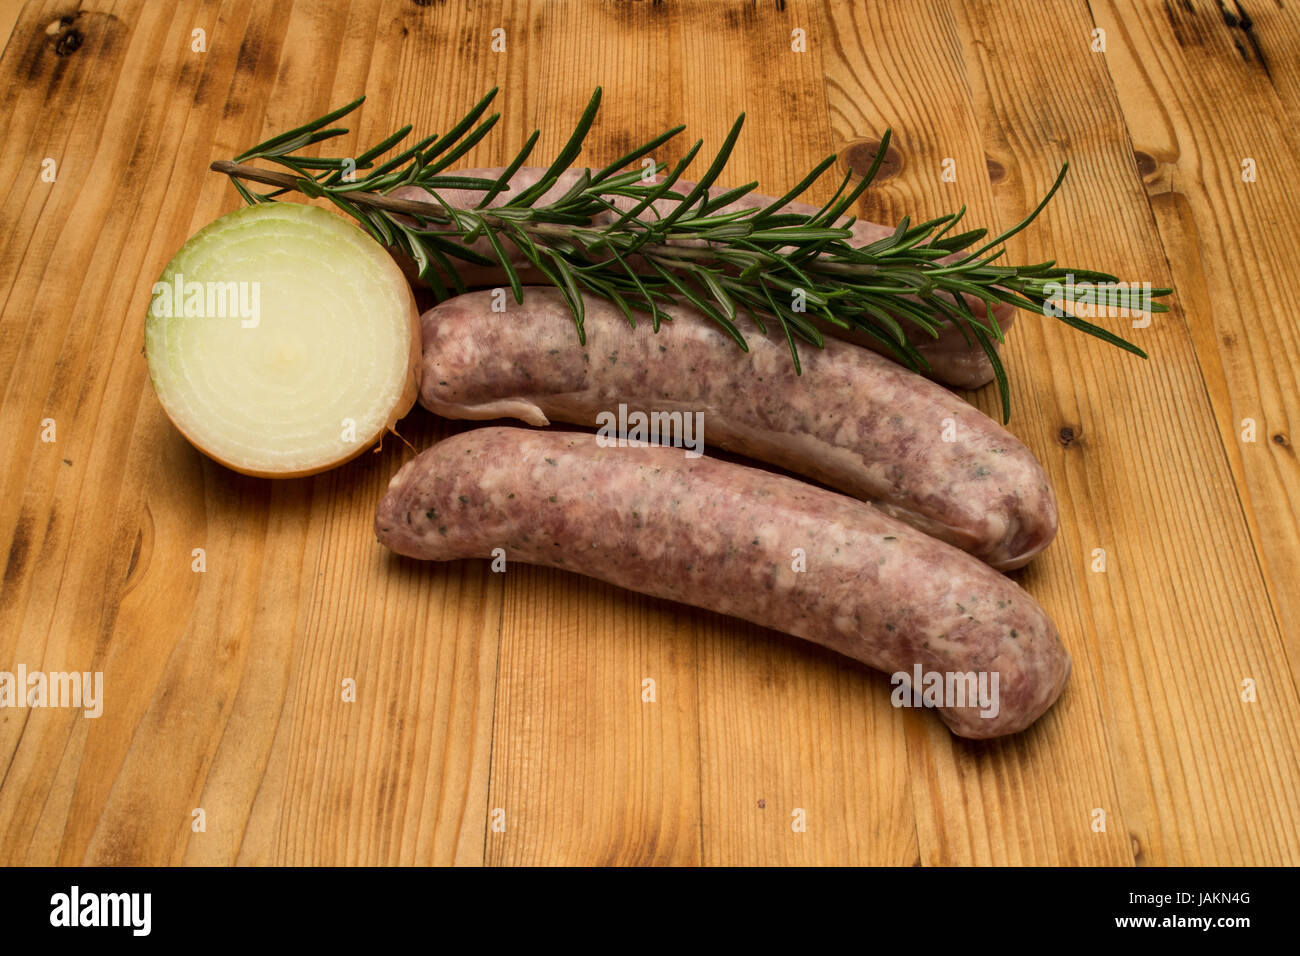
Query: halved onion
x=282, y=340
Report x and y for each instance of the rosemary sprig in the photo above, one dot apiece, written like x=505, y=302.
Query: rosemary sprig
x=770, y=266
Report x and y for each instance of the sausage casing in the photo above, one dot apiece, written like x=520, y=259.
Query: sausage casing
x=729, y=539
x=853, y=420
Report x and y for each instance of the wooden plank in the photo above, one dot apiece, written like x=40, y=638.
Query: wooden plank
x=791, y=736
x=1181, y=615
x=971, y=801
x=296, y=595
x=401, y=776
x=74, y=541
x=585, y=769
x=1199, y=96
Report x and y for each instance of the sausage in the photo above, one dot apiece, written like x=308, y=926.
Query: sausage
x=723, y=537
x=853, y=420
x=953, y=360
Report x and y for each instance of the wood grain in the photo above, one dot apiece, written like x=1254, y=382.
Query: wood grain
x=1167, y=654
x=1226, y=242
x=972, y=803
x=506, y=718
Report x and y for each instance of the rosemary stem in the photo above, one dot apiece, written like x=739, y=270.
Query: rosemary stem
x=845, y=268
x=412, y=207
x=435, y=212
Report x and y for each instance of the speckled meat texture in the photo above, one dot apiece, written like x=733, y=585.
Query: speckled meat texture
x=721, y=536
x=953, y=360
x=853, y=420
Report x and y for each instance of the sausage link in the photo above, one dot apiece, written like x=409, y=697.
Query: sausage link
x=722, y=536
x=953, y=359
x=853, y=420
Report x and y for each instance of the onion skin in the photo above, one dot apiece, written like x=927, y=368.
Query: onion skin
x=405, y=402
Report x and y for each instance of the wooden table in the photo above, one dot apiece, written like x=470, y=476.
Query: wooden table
x=499, y=718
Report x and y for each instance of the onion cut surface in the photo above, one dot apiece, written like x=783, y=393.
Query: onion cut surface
x=282, y=340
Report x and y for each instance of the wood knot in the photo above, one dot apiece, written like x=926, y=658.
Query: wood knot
x=997, y=172
x=1069, y=435
x=762, y=804
x=67, y=38
x=1281, y=439
x=69, y=42
x=1146, y=163
x=858, y=156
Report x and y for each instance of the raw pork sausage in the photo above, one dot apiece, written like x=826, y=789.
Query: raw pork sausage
x=854, y=420
x=722, y=536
